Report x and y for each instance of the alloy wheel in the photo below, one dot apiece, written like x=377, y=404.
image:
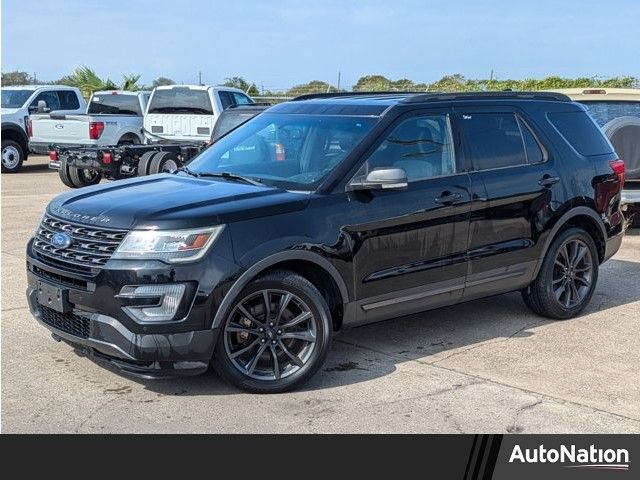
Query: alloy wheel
x=572, y=273
x=270, y=334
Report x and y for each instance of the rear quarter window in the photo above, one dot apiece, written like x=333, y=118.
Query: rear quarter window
x=581, y=132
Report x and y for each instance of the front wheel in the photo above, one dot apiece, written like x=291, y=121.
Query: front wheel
x=567, y=279
x=12, y=156
x=276, y=335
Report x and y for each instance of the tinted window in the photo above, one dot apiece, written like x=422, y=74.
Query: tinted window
x=226, y=99
x=494, y=140
x=108, y=103
x=230, y=120
x=422, y=146
x=581, y=132
x=68, y=100
x=53, y=103
x=531, y=145
x=181, y=100
x=241, y=99
x=604, y=112
x=289, y=151
x=15, y=98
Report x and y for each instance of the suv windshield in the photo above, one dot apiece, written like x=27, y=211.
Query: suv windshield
x=115, y=104
x=604, y=112
x=15, y=98
x=181, y=100
x=285, y=150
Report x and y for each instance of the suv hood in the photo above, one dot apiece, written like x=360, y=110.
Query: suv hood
x=9, y=111
x=170, y=201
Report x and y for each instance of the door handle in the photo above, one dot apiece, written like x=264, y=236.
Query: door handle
x=548, y=181
x=448, y=198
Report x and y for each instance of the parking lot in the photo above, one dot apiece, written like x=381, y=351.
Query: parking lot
x=484, y=366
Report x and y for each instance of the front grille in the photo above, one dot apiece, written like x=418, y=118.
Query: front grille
x=67, y=322
x=90, y=247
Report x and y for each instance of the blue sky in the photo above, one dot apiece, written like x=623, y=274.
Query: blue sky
x=282, y=43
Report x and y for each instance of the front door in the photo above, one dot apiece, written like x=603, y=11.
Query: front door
x=409, y=246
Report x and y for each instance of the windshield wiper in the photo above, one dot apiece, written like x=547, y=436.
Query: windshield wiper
x=229, y=176
x=188, y=171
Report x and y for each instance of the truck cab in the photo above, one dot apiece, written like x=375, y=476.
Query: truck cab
x=18, y=102
x=188, y=113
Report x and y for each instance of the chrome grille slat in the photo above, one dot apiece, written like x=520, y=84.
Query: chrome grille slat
x=91, y=247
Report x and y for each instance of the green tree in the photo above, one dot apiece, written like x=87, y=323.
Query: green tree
x=88, y=81
x=160, y=81
x=314, y=86
x=372, y=83
x=242, y=84
x=17, y=78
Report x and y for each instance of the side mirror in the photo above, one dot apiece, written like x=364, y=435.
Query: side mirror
x=42, y=107
x=383, y=178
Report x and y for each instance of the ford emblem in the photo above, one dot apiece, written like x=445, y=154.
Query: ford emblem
x=59, y=126
x=61, y=240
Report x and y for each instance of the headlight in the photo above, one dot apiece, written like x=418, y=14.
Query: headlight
x=167, y=245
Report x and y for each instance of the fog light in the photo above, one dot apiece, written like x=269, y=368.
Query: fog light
x=153, y=303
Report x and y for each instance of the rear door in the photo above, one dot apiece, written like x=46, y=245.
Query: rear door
x=516, y=187
x=410, y=245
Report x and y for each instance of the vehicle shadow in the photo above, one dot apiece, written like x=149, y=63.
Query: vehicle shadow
x=28, y=167
x=373, y=351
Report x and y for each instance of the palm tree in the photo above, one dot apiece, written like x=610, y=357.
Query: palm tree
x=88, y=81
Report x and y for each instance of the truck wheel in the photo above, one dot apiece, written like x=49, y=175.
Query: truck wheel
x=83, y=177
x=164, y=162
x=12, y=156
x=275, y=336
x=63, y=172
x=144, y=162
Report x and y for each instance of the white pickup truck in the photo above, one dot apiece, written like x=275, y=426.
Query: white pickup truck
x=188, y=113
x=18, y=103
x=112, y=118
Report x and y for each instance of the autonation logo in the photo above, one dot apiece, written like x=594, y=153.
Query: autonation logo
x=573, y=457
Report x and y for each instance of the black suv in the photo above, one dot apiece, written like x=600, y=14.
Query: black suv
x=324, y=213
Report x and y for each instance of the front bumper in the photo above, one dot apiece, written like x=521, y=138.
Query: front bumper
x=98, y=325
x=150, y=355
x=630, y=197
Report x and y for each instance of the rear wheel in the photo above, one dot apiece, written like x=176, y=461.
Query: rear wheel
x=84, y=177
x=275, y=336
x=566, y=281
x=144, y=162
x=63, y=172
x=12, y=156
x=164, y=162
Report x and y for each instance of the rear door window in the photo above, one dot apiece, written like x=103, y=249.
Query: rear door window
x=68, y=100
x=581, y=132
x=494, y=140
x=114, y=104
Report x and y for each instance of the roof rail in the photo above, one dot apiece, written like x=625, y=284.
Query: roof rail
x=416, y=97
x=425, y=97
x=310, y=96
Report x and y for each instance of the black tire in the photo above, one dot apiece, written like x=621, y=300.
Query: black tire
x=576, y=283
x=305, y=299
x=84, y=178
x=63, y=172
x=144, y=162
x=12, y=156
x=164, y=162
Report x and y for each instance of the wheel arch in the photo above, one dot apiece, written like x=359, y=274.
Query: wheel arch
x=129, y=136
x=11, y=131
x=583, y=217
x=314, y=267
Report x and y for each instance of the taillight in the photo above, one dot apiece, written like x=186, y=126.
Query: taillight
x=106, y=158
x=95, y=130
x=28, y=126
x=608, y=188
x=618, y=168
x=280, y=155
x=53, y=156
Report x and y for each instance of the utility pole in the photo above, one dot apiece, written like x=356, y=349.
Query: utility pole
x=491, y=76
x=199, y=78
x=338, y=80
x=35, y=78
